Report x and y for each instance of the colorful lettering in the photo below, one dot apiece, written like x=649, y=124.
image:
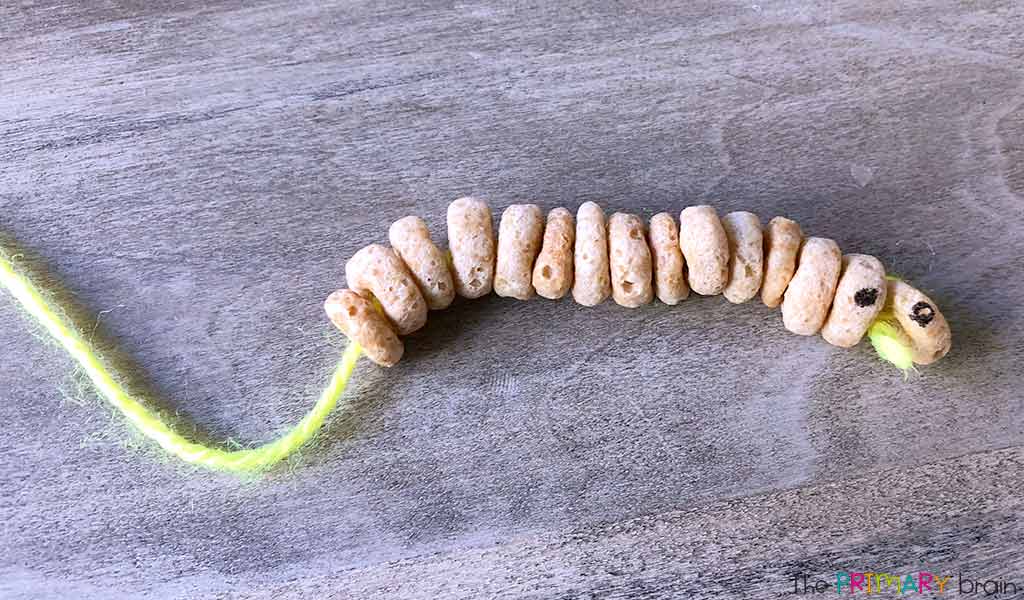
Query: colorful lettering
x=841, y=580
x=889, y=580
x=856, y=582
x=924, y=581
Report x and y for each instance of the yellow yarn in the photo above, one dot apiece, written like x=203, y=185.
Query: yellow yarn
x=888, y=339
x=890, y=342
x=150, y=425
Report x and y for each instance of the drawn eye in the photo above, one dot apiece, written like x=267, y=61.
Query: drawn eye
x=922, y=313
x=865, y=297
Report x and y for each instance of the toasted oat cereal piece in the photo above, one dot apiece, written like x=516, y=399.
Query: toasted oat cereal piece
x=553, y=272
x=592, y=284
x=860, y=296
x=471, y=241
x=410, y=239
x=746, y=262
x=519, y=238
x=705, y=246
x=377, y=270
x=920, y=318
x=667, y=260
x=629, y=260
x=782, y=239
x=356, y=317
x=809, y=295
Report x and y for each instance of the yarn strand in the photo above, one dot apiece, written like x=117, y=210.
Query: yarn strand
x=149, y=424
x=889, y=341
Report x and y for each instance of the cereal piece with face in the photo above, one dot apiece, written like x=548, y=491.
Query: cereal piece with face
x=553, y=271
x=745, y=256
x=377, y=270
x=471, y=241
x=410, y=239
x=356, y=317
x=921, y=320
x=669, y=279
x=519, y=238
x=782, y=239
x=592, y=284
x=630, y=261
x=860, y=296
x=705, y=247
x=809, y=295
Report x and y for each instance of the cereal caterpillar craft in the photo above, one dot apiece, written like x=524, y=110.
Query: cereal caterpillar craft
x=391, y=289
x=819, y=289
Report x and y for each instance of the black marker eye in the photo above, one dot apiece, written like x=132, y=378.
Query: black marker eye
x=865, y=297
x=923, y=313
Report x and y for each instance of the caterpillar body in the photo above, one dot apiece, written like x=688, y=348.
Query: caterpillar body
x=820, y=290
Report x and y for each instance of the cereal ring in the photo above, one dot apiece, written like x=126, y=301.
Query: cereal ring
x=782, y=239
x=519, y=239
x=471, y=241
x=553, y=271
x=809, y=295
x=921, y=320
x=592, y=283
x=410, y=239
x=860, y=296
x=356, y=317
x=745, y=256
x=377, y=270
x=630, y=261
x=669, y=279
x=705, y=246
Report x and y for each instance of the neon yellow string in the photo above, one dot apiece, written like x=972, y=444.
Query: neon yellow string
x=891, y=343
x=886, y=336
x=889, y=340
x=150, y=425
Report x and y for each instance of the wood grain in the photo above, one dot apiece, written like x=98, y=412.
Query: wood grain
x=196, y=178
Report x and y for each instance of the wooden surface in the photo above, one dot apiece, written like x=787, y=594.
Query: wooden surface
x=196, y=177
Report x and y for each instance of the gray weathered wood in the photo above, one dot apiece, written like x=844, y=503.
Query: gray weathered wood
x=195, y=177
